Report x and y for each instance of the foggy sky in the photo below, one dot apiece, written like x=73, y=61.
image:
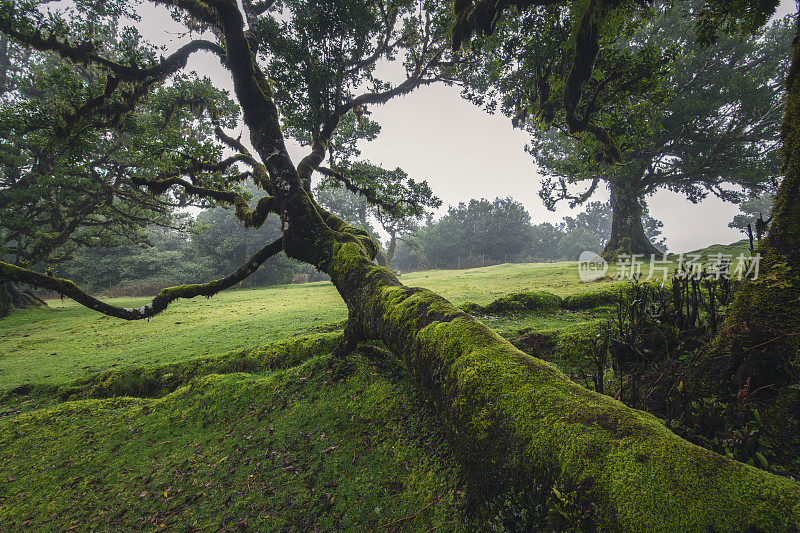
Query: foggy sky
x=465, y=153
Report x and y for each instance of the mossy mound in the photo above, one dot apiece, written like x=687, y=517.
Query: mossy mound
x=574, y=345
x=607, y=296
x=160, y=380
x=284, y=451
x=523, y=302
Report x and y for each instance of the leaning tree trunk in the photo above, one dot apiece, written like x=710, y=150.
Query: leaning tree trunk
x=521, y=427
x=627, y=229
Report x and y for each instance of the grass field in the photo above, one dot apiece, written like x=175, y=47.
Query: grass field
x=67, y=341
x=122, y=426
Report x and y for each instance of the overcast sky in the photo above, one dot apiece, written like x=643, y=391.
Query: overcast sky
x=464, y=153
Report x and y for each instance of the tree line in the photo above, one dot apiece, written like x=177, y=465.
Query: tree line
x=473, y=234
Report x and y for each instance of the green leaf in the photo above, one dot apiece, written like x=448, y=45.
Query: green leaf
x=762, y=460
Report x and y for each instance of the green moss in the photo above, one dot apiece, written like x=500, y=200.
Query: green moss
x=286, y=451
x=590, y=300
x=518, y=424
x=160, y=380
x=574, y=345
x=510, y=409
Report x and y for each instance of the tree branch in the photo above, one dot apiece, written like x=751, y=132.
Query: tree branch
x=166, y=296
x=370, y=195
x=84, y=53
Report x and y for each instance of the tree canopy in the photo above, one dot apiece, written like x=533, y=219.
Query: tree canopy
x=76, y=143
x=708, y=118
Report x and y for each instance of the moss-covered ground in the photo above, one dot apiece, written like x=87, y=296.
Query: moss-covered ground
x=285, y=450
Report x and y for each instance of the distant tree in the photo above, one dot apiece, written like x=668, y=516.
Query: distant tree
x=598, y=219
x=544, y=241
x=755, y=213
x=709, y=116
x=497, y=230
x=408, y=256
x=219, y=244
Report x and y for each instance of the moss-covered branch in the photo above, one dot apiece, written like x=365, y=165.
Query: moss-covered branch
x=166, y=296
x=84, y=53
x=252, y=218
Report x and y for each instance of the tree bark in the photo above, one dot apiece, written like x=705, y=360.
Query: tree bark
x=758, y=346
x=627, y=229
x=768, y=308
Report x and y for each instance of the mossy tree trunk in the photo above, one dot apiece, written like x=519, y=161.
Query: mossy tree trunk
x=762, y=333
x=521, y=427
x=758, y=349
x=627, y=230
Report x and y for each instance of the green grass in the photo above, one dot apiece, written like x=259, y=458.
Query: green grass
x=67, y=341
x=734, y=249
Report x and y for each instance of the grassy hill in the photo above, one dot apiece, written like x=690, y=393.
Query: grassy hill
x=229, y=414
